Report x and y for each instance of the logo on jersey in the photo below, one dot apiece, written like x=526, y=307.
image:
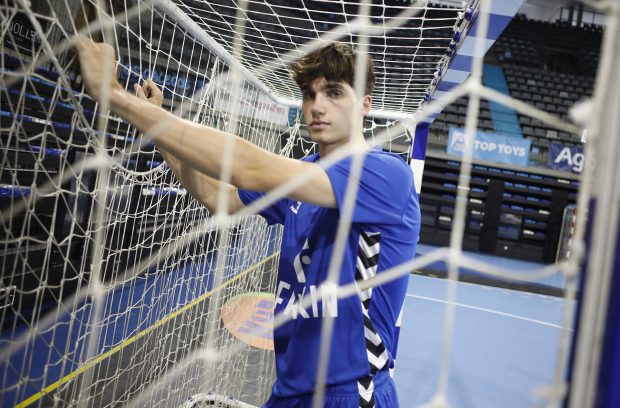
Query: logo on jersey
x=295, y=207
x=293, y=299
x=293, y=308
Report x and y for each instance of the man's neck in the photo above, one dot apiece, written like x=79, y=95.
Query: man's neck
x=357, y=143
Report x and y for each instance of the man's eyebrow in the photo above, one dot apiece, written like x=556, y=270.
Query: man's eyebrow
x=328, y=85
x=333, y=85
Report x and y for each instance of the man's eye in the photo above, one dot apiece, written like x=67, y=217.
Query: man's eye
x=335, y=93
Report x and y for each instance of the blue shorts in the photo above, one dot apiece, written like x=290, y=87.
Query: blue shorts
x=343, y=396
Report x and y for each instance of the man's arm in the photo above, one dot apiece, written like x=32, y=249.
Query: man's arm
x=203, y=188
x=198, y=146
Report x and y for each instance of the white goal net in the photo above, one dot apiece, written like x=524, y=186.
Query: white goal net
x=117, y=287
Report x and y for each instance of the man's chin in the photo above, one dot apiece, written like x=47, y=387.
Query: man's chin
x=324, y=138
x=317, y=137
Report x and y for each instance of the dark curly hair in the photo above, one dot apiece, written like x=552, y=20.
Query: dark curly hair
x=335, y=62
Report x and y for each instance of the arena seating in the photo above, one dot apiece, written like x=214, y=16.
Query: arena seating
x=549, y=65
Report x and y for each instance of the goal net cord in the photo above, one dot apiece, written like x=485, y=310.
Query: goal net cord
x=268, y=201
x=480, y=90
x=155, y=176
x=280, y=54
x=87, y=290
x=456, y=237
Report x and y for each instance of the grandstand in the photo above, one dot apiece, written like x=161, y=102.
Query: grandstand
x=550, y=65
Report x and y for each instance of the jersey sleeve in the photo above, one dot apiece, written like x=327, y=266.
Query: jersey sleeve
x=386, y=184
x=274, y=214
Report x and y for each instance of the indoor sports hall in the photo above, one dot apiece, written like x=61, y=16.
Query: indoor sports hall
x=119, y=288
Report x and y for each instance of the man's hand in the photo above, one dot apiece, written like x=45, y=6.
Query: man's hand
x=98, y=67
x=150, y=92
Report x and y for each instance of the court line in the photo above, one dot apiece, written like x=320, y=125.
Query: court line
x=90, y=364
x=482, y=309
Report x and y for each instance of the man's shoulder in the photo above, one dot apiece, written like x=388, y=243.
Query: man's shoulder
x=310, y=158
x=388, y=161
x=386, y=156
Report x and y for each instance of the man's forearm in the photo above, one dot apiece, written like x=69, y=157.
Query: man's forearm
x=203, y=149
x=203, y=188
x=199, y=147
x=180, y=171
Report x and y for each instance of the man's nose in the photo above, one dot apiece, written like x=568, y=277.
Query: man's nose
x=318, y=107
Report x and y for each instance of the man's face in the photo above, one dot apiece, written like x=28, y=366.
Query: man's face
x=330, y=109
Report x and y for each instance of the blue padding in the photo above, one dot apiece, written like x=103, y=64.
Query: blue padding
x=506, y=7
x=419, y=142
x=497, y=24
x=459, y=67
x=609, y=375
x=446, y=86
x=462, y=62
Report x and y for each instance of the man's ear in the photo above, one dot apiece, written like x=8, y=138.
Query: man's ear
x=366, y=104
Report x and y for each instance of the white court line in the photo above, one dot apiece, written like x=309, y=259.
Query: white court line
x=482, y=309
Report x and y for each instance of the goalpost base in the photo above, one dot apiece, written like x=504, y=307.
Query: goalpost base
x=213, y=400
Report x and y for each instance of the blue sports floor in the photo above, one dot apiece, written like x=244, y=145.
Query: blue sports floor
x=504, y=346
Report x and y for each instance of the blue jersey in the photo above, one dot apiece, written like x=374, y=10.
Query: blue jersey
x=384, y=232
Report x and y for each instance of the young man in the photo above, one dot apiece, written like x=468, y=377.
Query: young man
x=384, y=230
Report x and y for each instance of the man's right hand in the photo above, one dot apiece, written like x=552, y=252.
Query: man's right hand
x=98, y=67
x=150, y=92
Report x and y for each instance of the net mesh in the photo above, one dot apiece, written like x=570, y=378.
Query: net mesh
x=407, y=43
x=56, y=217
x=49, y=135
x=112, y=275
